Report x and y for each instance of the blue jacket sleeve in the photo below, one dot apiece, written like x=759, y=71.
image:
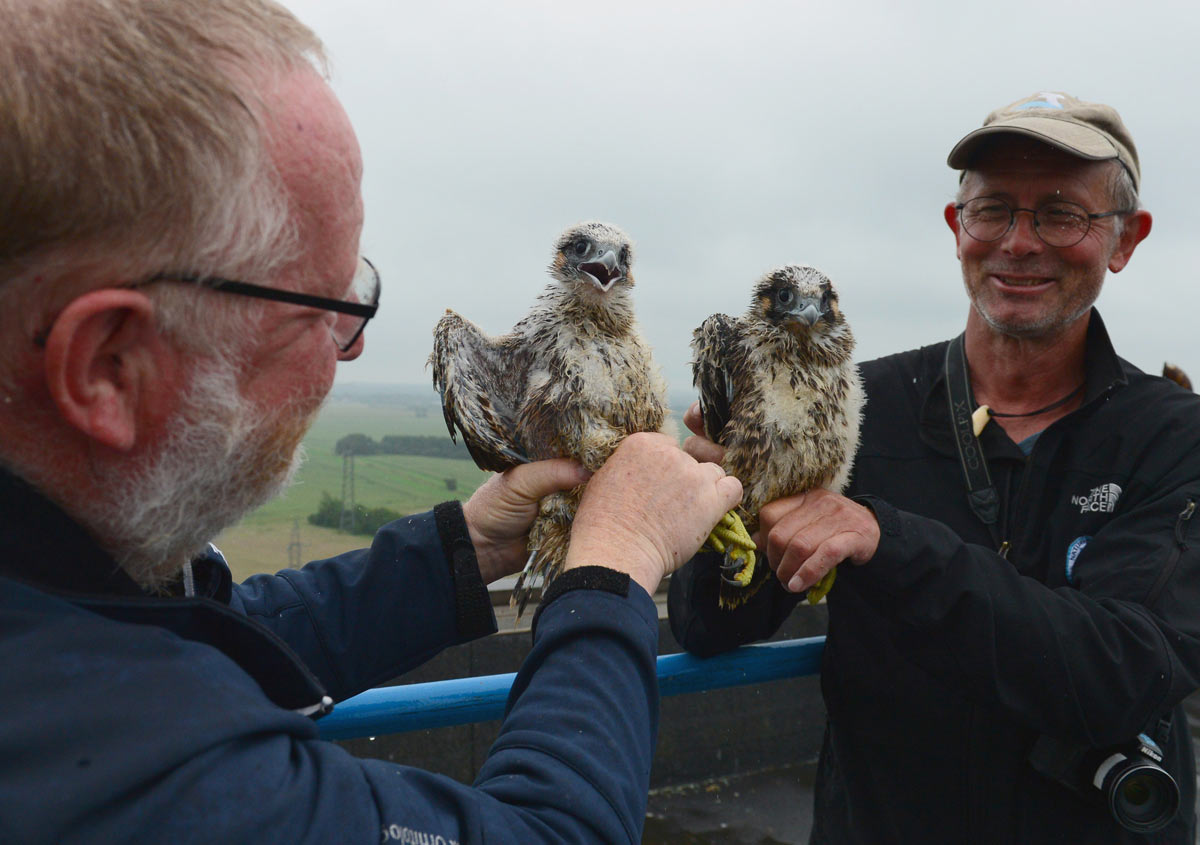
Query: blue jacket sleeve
x=367, y=616
x=219, y=763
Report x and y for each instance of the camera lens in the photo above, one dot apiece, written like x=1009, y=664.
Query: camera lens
x=1142, y=797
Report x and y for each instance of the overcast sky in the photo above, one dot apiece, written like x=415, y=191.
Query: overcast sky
x=728, y=138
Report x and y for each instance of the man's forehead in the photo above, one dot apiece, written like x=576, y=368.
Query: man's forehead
x=307, y=126
x=1013, y=156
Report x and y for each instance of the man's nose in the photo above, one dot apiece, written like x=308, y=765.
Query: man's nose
x=355, y=349
x=1022, y=237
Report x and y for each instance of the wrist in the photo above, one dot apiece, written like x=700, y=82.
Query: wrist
x=643, y=566
x=489, y=560
x=471, y=600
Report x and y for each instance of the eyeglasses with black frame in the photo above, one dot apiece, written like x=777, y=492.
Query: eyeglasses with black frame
x=1057, y=224
x=356, y=307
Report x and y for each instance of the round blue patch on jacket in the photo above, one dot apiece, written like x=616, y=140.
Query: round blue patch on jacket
x=1073, y=550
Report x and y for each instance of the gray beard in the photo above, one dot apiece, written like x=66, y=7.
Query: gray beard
x=165, y=511
x=1052, y=323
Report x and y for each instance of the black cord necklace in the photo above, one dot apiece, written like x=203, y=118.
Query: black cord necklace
x=1057, y=404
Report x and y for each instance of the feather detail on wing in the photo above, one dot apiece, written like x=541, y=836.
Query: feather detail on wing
x=714, y=345
x=480, y=389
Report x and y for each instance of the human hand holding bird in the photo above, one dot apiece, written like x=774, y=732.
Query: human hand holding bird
x=653, y=502
x=805, y=537
x=499, y=512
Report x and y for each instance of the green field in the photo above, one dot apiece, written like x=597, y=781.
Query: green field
x=404, y=483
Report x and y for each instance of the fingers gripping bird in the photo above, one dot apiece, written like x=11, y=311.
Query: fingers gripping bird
x=571, y=379
x=778, y=390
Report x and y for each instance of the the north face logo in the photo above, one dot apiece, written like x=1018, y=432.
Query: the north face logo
x=1102, y=499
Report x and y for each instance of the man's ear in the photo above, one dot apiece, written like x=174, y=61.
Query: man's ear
x=951, y=215
x=1137, y=227
x=101, y=358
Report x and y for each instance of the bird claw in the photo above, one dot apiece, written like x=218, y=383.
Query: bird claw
x=730, y=538
x=738, y=568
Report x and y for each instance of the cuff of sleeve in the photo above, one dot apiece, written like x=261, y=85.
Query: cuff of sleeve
x=584, y=578
x=886, y=515
x=911, y=550
x=472, y=604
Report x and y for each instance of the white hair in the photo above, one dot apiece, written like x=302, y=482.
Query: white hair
x=131, y=143
x=221, y=461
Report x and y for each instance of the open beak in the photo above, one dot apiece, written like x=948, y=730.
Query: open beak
x=605, y=271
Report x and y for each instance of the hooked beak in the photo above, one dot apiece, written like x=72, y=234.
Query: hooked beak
x=806, y=311
x=605, y=271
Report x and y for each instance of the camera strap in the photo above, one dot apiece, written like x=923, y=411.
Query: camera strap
x=982, y=497
x=1162, y=731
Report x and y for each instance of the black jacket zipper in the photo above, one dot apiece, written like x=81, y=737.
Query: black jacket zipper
x=1181, y=526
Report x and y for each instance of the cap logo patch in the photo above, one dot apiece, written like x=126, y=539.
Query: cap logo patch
x=1045, y=100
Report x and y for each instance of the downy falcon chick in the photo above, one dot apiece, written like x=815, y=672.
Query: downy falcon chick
x=571, y=380
x=778, y=390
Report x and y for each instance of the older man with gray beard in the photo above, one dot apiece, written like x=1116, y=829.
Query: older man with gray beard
x=180, y=211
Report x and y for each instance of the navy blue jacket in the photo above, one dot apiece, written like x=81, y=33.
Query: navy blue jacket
x=945, y=661
x=132, y=718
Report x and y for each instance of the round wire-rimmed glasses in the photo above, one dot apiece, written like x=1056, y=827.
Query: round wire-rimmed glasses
x=1058, y=224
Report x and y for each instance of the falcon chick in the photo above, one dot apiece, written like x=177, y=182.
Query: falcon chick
x=570, y=380
x=778, y=390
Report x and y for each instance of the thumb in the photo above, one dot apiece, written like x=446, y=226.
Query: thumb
x=693, y=419
x=541, y=478
x=729, y=492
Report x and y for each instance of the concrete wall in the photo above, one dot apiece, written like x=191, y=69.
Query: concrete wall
x=703, y=735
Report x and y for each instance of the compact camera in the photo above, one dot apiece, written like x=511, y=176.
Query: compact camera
x=1139, y=793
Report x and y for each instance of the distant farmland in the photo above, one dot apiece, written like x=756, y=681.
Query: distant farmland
x=404, y=483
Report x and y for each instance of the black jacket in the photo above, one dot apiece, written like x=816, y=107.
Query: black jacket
x=944, y=661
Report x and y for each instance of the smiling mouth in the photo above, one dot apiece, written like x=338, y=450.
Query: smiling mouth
x=1020, y=283
x=601, y=275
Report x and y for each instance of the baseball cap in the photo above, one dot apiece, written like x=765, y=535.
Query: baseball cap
x=1088, y=130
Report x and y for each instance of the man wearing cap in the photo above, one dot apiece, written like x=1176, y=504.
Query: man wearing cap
x=1025, y=568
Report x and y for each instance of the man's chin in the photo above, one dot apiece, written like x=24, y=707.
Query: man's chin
x=1030, y=326
x=208, y=496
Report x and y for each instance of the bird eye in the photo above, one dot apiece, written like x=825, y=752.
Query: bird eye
x=784, y=296
x=581, y=247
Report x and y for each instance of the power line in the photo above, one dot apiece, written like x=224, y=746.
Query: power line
x=295, y=551
x=346, y=522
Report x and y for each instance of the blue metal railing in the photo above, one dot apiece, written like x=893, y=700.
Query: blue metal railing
x=410, y=707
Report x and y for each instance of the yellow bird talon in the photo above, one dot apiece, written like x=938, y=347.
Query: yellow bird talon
x=733, y=538
x=820, y=589
x=731, y=532
x=730, y=538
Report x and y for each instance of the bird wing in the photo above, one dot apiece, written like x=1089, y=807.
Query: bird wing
x=479, y=383
x=714, y=352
